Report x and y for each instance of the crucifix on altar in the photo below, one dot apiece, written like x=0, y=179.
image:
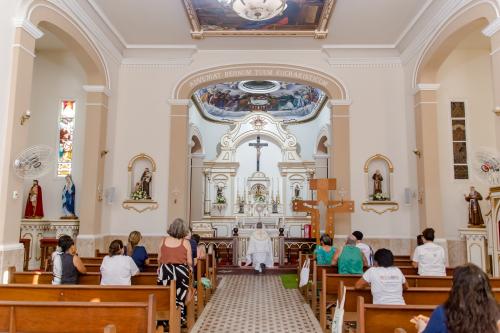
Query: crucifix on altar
x=323, y=209
x=258, y=146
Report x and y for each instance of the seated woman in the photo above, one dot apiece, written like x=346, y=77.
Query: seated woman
x=117, y=269
x=325, y=251
x=471, y=306
x=350, y=259
x=385, y=280
x=201, y=251
x=136, y=251
x=175, y=260
x=71, y=264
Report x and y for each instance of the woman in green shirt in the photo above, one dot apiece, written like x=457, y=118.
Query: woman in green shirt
x=349, y=259
x=325, y=251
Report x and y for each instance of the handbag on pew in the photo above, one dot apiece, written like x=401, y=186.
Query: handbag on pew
x=338, y=315
x=304, y=273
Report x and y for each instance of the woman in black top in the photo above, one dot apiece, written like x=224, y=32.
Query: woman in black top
x=71, y=263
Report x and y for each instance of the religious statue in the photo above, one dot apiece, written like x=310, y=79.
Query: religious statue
x=297, y=192
x=275, y=206
x=241, y=204
x=259, y=193
x=68, y=199
x=377, y=183
x=219, y=198
x=475, y=216
x=34, y=204
x=146, y=179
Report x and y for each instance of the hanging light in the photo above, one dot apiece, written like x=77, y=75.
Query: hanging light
x=256, y=10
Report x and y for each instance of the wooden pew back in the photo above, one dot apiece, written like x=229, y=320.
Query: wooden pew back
x=81, y=317
x=92, y=278
x=386, y=318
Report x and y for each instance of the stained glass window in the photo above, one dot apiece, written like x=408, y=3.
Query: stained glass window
x=459, y=138
x=66, y=130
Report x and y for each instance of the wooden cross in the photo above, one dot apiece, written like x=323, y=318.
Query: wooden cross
x=330, y=207
x=258, y=145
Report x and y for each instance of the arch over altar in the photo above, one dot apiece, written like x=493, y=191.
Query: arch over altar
x=239, y=194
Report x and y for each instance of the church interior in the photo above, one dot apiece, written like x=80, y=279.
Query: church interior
x=296, y=117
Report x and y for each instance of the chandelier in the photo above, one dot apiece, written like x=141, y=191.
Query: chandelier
x=256, y=10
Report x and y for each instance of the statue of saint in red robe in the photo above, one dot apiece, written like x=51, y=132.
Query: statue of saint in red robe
x=34, y=204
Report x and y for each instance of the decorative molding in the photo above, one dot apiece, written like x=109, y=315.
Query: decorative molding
x=497, y=110
x=26, y=25
x=428, y=86
x=140, y=206
x=492, y=28
x=386, y=206
x=379, y=157
x=97, y=89
x=141, y=156
x=89, y=237
x=183, y=102
x=107, y=21
x=339, y=102
x=375, y=62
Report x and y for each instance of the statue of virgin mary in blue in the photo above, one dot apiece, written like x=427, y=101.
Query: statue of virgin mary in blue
x=68, y=198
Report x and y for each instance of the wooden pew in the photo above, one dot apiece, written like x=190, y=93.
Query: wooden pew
x=103, y=254
x=97, y=268
x=201, y=271
x=98, y=260
x=302, y=258
x=88, y=317
x=92, y=278
x=211, y=267
x=165, y=296
x=386, y=318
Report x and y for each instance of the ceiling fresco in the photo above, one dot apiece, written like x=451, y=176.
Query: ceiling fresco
x=288, y=101
x=219, y=18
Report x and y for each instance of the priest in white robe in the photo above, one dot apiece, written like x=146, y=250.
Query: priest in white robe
x=260, y=250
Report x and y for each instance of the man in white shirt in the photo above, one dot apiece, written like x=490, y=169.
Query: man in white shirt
x=260, y=250
x=385, y=280
x=429, y=257
x=365, y=248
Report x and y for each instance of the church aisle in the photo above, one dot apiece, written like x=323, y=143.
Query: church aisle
x=253, y=303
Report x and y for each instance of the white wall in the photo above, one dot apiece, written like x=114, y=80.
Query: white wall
x=57, y=75
x=211, y=132
x=378, y=125
x=464, y=76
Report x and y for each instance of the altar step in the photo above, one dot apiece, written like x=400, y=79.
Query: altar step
x=244, y=270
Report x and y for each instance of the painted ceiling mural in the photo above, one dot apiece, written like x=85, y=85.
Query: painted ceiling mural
x=276, y=17
x=287, y=101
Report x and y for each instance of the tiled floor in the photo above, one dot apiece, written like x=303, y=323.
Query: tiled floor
x=254, y=303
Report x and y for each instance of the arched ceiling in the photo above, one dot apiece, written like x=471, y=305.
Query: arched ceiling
x=231, y=101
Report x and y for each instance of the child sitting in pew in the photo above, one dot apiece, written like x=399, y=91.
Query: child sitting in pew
x=385, y=280
x=117, y=268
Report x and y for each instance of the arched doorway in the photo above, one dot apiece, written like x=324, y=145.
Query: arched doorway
x=338, y=101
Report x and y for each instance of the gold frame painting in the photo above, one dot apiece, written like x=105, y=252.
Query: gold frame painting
x=318, y=30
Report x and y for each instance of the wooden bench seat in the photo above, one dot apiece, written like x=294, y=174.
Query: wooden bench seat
x=78, y=317
x=93, y=278
x=98, y=260
x=97, y=268
x=165, y=296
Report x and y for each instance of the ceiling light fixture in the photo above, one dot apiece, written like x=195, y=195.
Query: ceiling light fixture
x=256, y=10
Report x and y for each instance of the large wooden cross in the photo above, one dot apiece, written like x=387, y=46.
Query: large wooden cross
x=323, y=206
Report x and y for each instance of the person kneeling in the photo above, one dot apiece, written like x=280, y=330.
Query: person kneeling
x=385, y=280
x=116, y=268
x=260, y=250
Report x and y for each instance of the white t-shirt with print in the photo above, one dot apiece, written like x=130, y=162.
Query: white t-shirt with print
x=118, y=270
x=430, y=259
x=386, y=284
x=367, y=251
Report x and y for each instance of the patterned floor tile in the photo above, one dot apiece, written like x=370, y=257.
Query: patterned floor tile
x=253, y=303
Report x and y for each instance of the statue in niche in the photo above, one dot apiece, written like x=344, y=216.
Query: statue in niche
x=259, y=193
x=68, y=199
x=475, y=215
x=241, y=205
x=297, y=191
x=146, y=179
x=377, y=184
x=34, y=204
x=219, y=198
x=275, y=206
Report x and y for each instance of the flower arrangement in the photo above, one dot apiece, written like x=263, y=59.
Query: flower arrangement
x=379, y=197
x=260, y=198
x=139, y=194
x=220, y=199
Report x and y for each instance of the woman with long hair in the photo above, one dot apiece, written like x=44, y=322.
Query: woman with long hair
x=174, y=258
x=471, y=306
x=136, y=251
x=116, y=268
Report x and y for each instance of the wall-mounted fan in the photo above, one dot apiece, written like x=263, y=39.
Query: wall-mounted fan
x=487, y=165
x=34, y=162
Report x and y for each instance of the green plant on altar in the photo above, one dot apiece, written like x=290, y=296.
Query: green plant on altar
x=260, y=198
x=139, y=194
x=379, y=197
